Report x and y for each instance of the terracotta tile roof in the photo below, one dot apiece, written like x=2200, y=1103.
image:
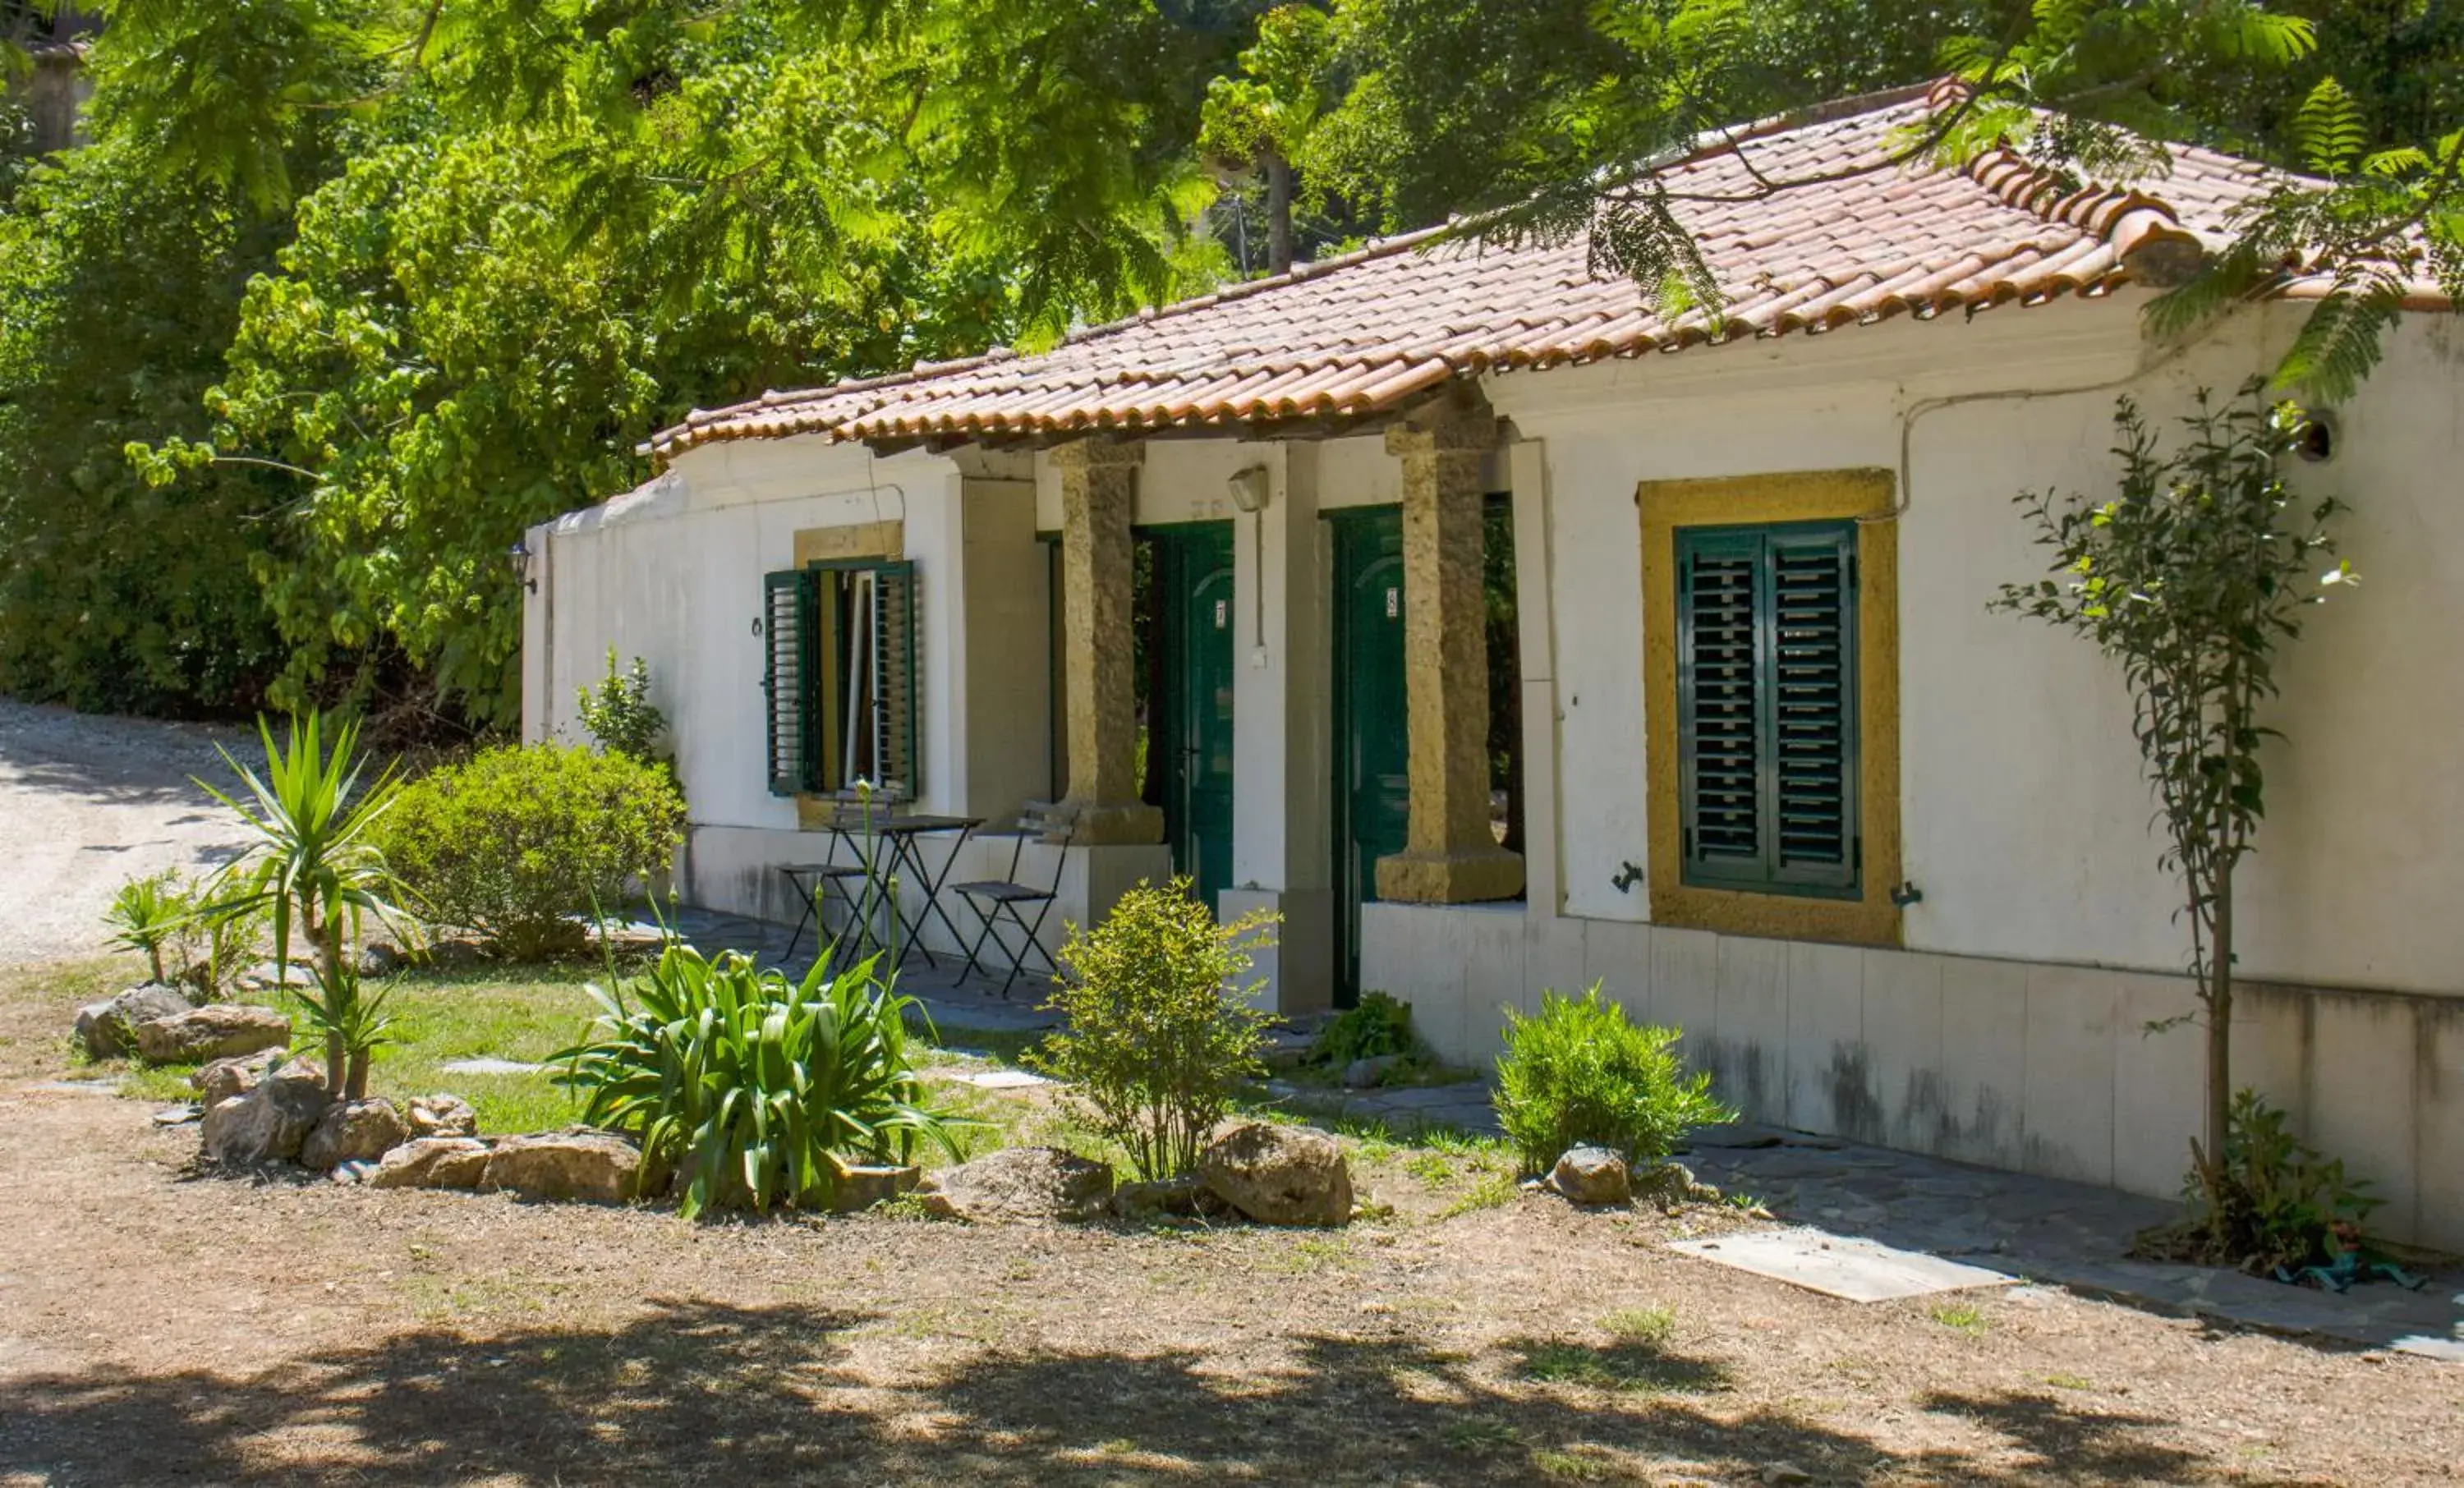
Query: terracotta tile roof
x=1360, y=334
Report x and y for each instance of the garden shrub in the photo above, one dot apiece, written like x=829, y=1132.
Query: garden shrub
x=1579, y=1075
x=1159, y=1038
x=146, y=916
x=519, y=844
x=1377, y=1026
x=619, y=714
x=2275, y=1202
x=750, y=1088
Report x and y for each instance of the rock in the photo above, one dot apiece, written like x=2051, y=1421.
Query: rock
x=447, y=955
x=353, y=1131
x=1591, y=1175
x=353, y=1171
x=860, y=1188
x=1184, y=1198
x=222, y=1079
x=218, y=1031
x=578, y=1163
x=178, y=1115
x=1279, y=1174
x=106, y=1027
x=442, y=1115
x=1778, y=1474
x=1667, y=1185
x=1019, y=1182
x=379, y=959
x=433, y=1163
x=1368, y=1073
x=271, y=1122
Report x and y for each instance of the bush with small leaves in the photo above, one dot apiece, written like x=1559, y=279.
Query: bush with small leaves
x=519, y=845
x=1159, y=1036
x=1579, y=1075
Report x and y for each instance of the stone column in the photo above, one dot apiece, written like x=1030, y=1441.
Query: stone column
x=1098, y=479
x=1452, y=859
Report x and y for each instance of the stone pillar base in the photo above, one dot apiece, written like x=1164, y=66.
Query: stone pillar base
x=1114, y=823
x=1473, y=875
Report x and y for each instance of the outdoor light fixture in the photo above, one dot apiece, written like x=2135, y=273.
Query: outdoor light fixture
x=519, y=558
x=1249, y=489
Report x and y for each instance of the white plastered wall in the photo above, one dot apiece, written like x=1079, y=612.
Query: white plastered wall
x=2013, y=1029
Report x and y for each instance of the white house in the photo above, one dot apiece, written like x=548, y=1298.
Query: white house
x=1947, y=933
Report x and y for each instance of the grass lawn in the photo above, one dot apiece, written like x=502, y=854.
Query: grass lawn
x=158, y=1321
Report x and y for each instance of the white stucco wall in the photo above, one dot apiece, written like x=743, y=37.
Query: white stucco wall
x=2024, y=813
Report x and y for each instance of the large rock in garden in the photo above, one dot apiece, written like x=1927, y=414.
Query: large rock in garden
x=575, y=1164
x=271, y=1122
x=1591, y=1175
x=1279, y=1174
x=1019, y=1183
x=217, y=1031
x=1185, y=1197
x=353, y=1131
x=864, y=1185
x=222, y=1079
x=105, y=1027
x=442, y=1116
x=433, y=1163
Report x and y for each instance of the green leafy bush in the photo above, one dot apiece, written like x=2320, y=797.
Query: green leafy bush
x=1578, y=1074
x=518, y=844
x=147, y=916
x=1379, y=1025
x=1159, y=1036
x=618, y=714
x=748, y=1088
x=2282, y=1204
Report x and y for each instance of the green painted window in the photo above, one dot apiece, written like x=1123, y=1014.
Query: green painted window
x=1767, y=697
x=840, y=676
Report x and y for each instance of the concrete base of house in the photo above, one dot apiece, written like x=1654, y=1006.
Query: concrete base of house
x=736, y=869
x=2035, y=1067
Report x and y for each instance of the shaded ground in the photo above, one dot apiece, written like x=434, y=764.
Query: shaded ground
x=157, y=1327
x=87, y=803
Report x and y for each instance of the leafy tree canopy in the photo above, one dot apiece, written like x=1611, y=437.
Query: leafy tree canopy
x=407, y=275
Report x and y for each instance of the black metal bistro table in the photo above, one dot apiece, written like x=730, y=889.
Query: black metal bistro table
x=888, y=845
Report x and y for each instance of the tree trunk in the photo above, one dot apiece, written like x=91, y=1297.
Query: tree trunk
x=356, y=1088
x=1279, y=214
x=2220, y=1000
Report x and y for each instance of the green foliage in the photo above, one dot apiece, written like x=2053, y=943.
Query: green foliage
x=619, y=714
x=118, y=295
x=2191, y=579
x=519, y=844
x=146, y=914
x=1160, y=1034
x=2279, y=1202
x=1578, y=1074
x=1377, y=1025
x=312, y=863
x=749, y=1089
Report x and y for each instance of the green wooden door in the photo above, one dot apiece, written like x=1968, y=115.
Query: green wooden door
x=1199, y=620
x=1373, y=740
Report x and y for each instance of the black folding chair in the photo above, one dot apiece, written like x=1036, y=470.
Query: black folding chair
x=810, y=881
x=996, y=900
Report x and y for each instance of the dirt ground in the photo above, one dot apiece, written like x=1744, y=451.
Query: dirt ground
x=158, y=1326
x=88, y=802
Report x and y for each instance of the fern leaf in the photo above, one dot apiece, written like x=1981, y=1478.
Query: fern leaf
x=2340, y=344
x=2329, y=128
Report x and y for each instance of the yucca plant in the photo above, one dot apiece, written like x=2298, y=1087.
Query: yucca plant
x=313, y=866
x=749, y=1087
x=148, y=914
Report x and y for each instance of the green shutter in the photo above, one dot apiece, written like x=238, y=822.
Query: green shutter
x=1767, y=707
x=790, y=613
x=894, y=672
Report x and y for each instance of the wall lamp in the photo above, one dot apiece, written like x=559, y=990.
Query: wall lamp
x=1249, y=489
x=517, y=558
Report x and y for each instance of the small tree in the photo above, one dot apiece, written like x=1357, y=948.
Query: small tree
x=618, y=714
x=1160, y=1034
x=2192, y=578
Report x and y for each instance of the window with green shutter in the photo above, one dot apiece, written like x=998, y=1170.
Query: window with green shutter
x=1767, y=706
x=841, y=678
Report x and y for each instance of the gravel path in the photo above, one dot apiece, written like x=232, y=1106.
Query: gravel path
x=88, y=801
